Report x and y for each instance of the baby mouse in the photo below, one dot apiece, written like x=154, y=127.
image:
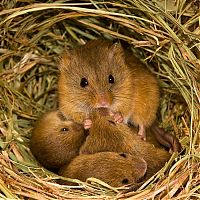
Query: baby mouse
x=116, y=169
x=107, y=135
x=55, y=140
x=101, y=74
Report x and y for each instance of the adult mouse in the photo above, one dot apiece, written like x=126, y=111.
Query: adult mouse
x=101, y=74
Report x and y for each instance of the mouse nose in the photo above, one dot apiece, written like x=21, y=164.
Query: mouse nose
x=102, y=103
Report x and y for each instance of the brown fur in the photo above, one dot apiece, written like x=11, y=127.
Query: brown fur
x=134, y=94
x=106, y=135
x=51, y=145
x=112, y=168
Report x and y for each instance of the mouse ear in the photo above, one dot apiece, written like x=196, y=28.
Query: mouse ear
x=116, y=52
x=142, y=168
x=64, y=60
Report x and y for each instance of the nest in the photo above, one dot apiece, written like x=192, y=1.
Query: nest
x=164, y=34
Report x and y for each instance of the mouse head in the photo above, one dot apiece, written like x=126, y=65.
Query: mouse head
x=94, y=75
x=54, y=124
x=56, y=140
x=119, y=169
x=132, y=169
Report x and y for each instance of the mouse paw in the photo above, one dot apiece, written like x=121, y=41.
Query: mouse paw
x=118, y=118
x=87, y=123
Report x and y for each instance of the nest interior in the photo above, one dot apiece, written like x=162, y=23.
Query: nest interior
x=164, y=34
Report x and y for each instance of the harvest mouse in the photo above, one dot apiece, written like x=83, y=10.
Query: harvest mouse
x=56, y=140
x=107, y=135
x=116, y=169
x=101, y=74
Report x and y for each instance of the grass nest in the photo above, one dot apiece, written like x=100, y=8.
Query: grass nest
x=164, y=34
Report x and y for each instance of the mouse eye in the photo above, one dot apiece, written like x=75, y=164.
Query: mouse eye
x=111, y=79
x=123, y=155
x=125, y=181
x=84, y=82
x=64, y=129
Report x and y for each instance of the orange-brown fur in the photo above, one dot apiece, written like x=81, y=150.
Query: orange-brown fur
x=113, y=168
x=106, y=135
x=134, y=93
x=55, y=141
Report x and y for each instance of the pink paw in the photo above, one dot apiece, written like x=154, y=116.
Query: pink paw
x=87, y=123
x=117, y=117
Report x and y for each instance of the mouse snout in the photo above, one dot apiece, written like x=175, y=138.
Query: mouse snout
x=103, y=101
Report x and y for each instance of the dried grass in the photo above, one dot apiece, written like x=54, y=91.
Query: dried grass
x=34, y=34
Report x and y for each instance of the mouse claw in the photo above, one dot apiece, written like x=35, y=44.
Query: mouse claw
x=87, y=123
